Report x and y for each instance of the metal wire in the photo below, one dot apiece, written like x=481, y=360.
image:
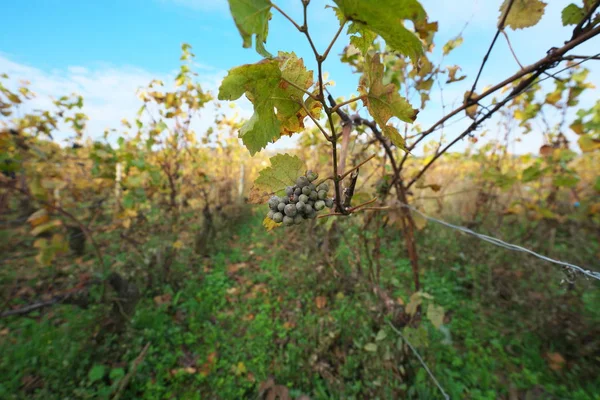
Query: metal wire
x=416, y=353
x=508, y=246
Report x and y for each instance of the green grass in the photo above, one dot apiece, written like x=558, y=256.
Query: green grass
x=250, y=312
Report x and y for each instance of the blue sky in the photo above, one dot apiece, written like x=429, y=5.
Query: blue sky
x=106, y=49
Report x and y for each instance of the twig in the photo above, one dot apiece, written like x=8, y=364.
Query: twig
x=352, y=100
x=416, y=353
x=323, y=131
x=487, y=55
x=357, y=167
x=579, y=27
x=286, y=16
x=552, y=57
x=337, y=34
x=132, y=370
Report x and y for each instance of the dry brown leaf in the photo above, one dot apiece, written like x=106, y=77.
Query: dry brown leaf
x=321, y=302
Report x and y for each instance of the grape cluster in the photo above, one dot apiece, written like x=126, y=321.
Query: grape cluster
x=301, y=201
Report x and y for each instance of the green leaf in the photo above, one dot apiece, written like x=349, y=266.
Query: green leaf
x=96, y=373
x=567, y=181
x=572, y=14
x=362, y=37
x=381, y=335
x=384, y=101
x=252, y=18
x=523, y=13
x=371, y=347
x=266, y=86
x=436, y=315
x=597, y=184
x=531, y=173
x=385, y=18
x=116, y=374
x=284, y=171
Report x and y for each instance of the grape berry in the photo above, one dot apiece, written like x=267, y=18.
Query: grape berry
x=301, y=201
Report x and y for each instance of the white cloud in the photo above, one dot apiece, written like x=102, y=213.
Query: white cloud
x=109, y=92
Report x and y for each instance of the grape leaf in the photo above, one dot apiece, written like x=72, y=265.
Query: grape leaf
x=587, y=143
x=267, y=86
x=452, y=71
x=385, y=18
x=572, y=15
x=523, y=13
x=252, y=18
x=384, y=101
x=362, y=38
x=284, y=171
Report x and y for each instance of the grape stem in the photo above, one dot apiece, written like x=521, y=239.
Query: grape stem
x=345, y=174
x=358, y=208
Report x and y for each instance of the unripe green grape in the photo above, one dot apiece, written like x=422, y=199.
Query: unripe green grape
x=312, y=203
x=290, y=210
x=287, y=221
x=270, y=214
x=303, y=198
x=295, y=199
x=312, y=175
x=312, y=187
x=308, y=208
x=278, y=217
x=324, y=186
x=285, y=200
x=281, y=206
x=297, y=190
x=298, y=219
x=329, y=203
x=313, y=195
x=289, y=190
x=322, y=194
x=319, y=205
x=302, y=181
x=300, y=206
x=306, y=190
x=311, y=215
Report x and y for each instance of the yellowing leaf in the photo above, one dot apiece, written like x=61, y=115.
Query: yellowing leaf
x=471, y=111
x=252, y=18
x=384, y=101
x=436, y=315
x=452, y=44
x=371, y=347
x=178, y=244
x=239, y=369
x=269, y=224
x=577, y=127
x=420, y=221
x=587, y=143
x=452, y=71
x=38, y=218
x=523, y=13
x=38, y=230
